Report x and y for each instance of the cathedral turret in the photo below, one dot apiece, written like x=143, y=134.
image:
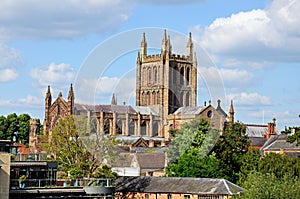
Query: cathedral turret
x=71, y=101
x=48, y=102
x=164, y=43
x=231, y=112
x=189, y=47
x=113, y=100
x=143, y=46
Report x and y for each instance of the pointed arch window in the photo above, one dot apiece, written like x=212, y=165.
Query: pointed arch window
x=188, y=75
x=181, y=75
x=149, y=75
x=155, y=75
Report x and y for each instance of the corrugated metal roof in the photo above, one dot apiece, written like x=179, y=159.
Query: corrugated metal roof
x=189, y=110
x=200, y=186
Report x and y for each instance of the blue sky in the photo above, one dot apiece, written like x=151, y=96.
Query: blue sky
x=252, y=47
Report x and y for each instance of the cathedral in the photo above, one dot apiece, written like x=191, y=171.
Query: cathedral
x=166, y=97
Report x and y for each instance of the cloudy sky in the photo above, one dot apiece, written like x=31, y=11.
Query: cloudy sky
x=248, y=51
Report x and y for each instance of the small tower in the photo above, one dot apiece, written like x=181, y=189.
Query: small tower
x=48, y=102
x=71, y=101
x=231, y=112
x=113, y=100
x=189, y=47
x=143, y=46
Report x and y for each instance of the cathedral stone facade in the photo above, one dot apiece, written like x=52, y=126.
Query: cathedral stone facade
x=165, y=83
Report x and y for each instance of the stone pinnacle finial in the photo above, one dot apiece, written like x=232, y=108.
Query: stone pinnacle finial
x=113, y=100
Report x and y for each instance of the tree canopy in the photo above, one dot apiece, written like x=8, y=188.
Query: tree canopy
x=189, y=148
x=230, y=149
x=77, y=155
x=15, y=125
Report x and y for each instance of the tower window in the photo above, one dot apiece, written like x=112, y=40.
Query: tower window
x=155, y=75
x=188, y=75
x=181, y=75
x=149, y=76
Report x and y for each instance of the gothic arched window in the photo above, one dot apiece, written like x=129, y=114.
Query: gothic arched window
x=149, y=75
x=155, y=75
x=181, y=75
x=188, y=75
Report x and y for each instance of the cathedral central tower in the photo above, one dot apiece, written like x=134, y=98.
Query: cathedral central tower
x=166, y=79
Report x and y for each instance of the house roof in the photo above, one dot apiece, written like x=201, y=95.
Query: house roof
x=200, y=186
x=256, y=130
x=151, y=160
x=257, y=141
x=278, y=142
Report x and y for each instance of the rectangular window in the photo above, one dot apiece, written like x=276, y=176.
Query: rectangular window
x=146, y=196
x=169, y=196
x=186, y=197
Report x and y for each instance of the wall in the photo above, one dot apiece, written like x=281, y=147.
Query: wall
x=4, y=175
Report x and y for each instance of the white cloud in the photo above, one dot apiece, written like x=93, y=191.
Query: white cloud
x=249, y=99
x=35, y=19
x=100, y=90
x=7, y=75
x=271, y=35
x=168, y=2
x=233, y=79
x=9, y=57
x=54, y=74
x=29, y=101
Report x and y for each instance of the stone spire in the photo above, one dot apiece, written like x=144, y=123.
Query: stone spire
x=113, y=100
x=48, y=94
x=231, y=112
x=189, y=47
x=164, y=42
x=48, y=102
x=71, y=99
x=143, y=46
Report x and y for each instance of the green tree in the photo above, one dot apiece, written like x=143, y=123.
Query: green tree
x=188, y=151
x=268, y=186
x=279, y=165
x=192, y=165
x=249, y=164
x=24, y=128
x=78, y=155
x=195, y=135
x=230, y=148
x=13, y=126
x=3, y=127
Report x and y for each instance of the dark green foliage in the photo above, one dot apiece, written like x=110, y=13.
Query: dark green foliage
x=188, y=151
x=268, y=186
x=192, y=165
x=249, y=163
x=15, y=125
x=3, y=127
x=24, y=128
x=295, y=136
x=279, y=165
x=230, y=149
x=273, y=176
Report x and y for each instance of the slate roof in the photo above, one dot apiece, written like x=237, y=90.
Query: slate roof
x=278, y=142
x=257, y=141
x=110, y=108
x=151, y=160
x=189, y=110
x=256, y=130
x=200, y=186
